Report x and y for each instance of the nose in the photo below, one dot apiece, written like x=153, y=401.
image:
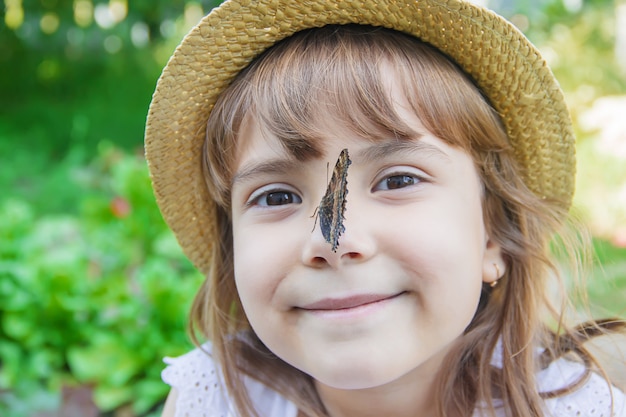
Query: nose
x=355, y=244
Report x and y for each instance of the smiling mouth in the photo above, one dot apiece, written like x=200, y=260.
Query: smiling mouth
x=336, y=304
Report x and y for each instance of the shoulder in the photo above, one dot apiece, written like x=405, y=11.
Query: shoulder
x=169, y=408
x=596, y=397
x=199, y=389
x=197, y=385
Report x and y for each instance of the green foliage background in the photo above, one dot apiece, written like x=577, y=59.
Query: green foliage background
x=94, y=290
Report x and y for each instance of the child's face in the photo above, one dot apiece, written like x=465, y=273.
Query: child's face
x=406, y=278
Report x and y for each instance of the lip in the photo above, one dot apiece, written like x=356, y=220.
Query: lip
x=346, y=303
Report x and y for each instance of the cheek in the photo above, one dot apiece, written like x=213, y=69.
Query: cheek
x=246, y=260
x=262, y=258
x=252, y=267
x=444, y=250
x=440, y=241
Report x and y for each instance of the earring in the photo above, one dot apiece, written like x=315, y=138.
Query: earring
x=494, y=283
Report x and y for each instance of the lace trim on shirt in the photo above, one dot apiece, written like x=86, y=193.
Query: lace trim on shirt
x=201, y=391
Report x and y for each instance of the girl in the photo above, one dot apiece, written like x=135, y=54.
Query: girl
x=422, y=292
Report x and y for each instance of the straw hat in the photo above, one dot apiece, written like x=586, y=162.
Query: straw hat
x=506, y=66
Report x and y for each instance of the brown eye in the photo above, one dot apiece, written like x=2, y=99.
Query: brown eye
x=399, y=181
x=277, y=198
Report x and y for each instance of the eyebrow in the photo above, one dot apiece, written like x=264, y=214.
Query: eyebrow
x=377, y=151
x=390, y=148
x=271, y=166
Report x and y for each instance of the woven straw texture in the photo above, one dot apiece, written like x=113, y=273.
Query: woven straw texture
x=501, y=60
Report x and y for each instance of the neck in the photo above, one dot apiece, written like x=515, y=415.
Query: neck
x=374, y=403
x=413, y=394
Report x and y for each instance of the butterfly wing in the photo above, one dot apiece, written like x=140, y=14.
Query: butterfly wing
x=333, y=205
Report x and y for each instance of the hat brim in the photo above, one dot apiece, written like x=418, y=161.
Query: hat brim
x=504, y=64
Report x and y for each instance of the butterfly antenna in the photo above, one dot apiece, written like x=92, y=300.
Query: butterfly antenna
x=316, y=213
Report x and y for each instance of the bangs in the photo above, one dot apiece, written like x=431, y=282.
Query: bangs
x=322, y=75
x=304, y=86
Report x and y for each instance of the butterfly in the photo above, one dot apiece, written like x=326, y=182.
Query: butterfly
x=333, y=205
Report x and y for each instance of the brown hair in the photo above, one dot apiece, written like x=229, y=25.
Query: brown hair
x=336, y=70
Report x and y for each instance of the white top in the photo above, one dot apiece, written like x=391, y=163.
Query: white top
x=201, y=392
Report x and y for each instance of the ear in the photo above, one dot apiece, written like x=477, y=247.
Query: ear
x=494, y=266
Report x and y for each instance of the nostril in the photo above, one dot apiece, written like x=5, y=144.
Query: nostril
x=319, y=260
x=353, y=255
